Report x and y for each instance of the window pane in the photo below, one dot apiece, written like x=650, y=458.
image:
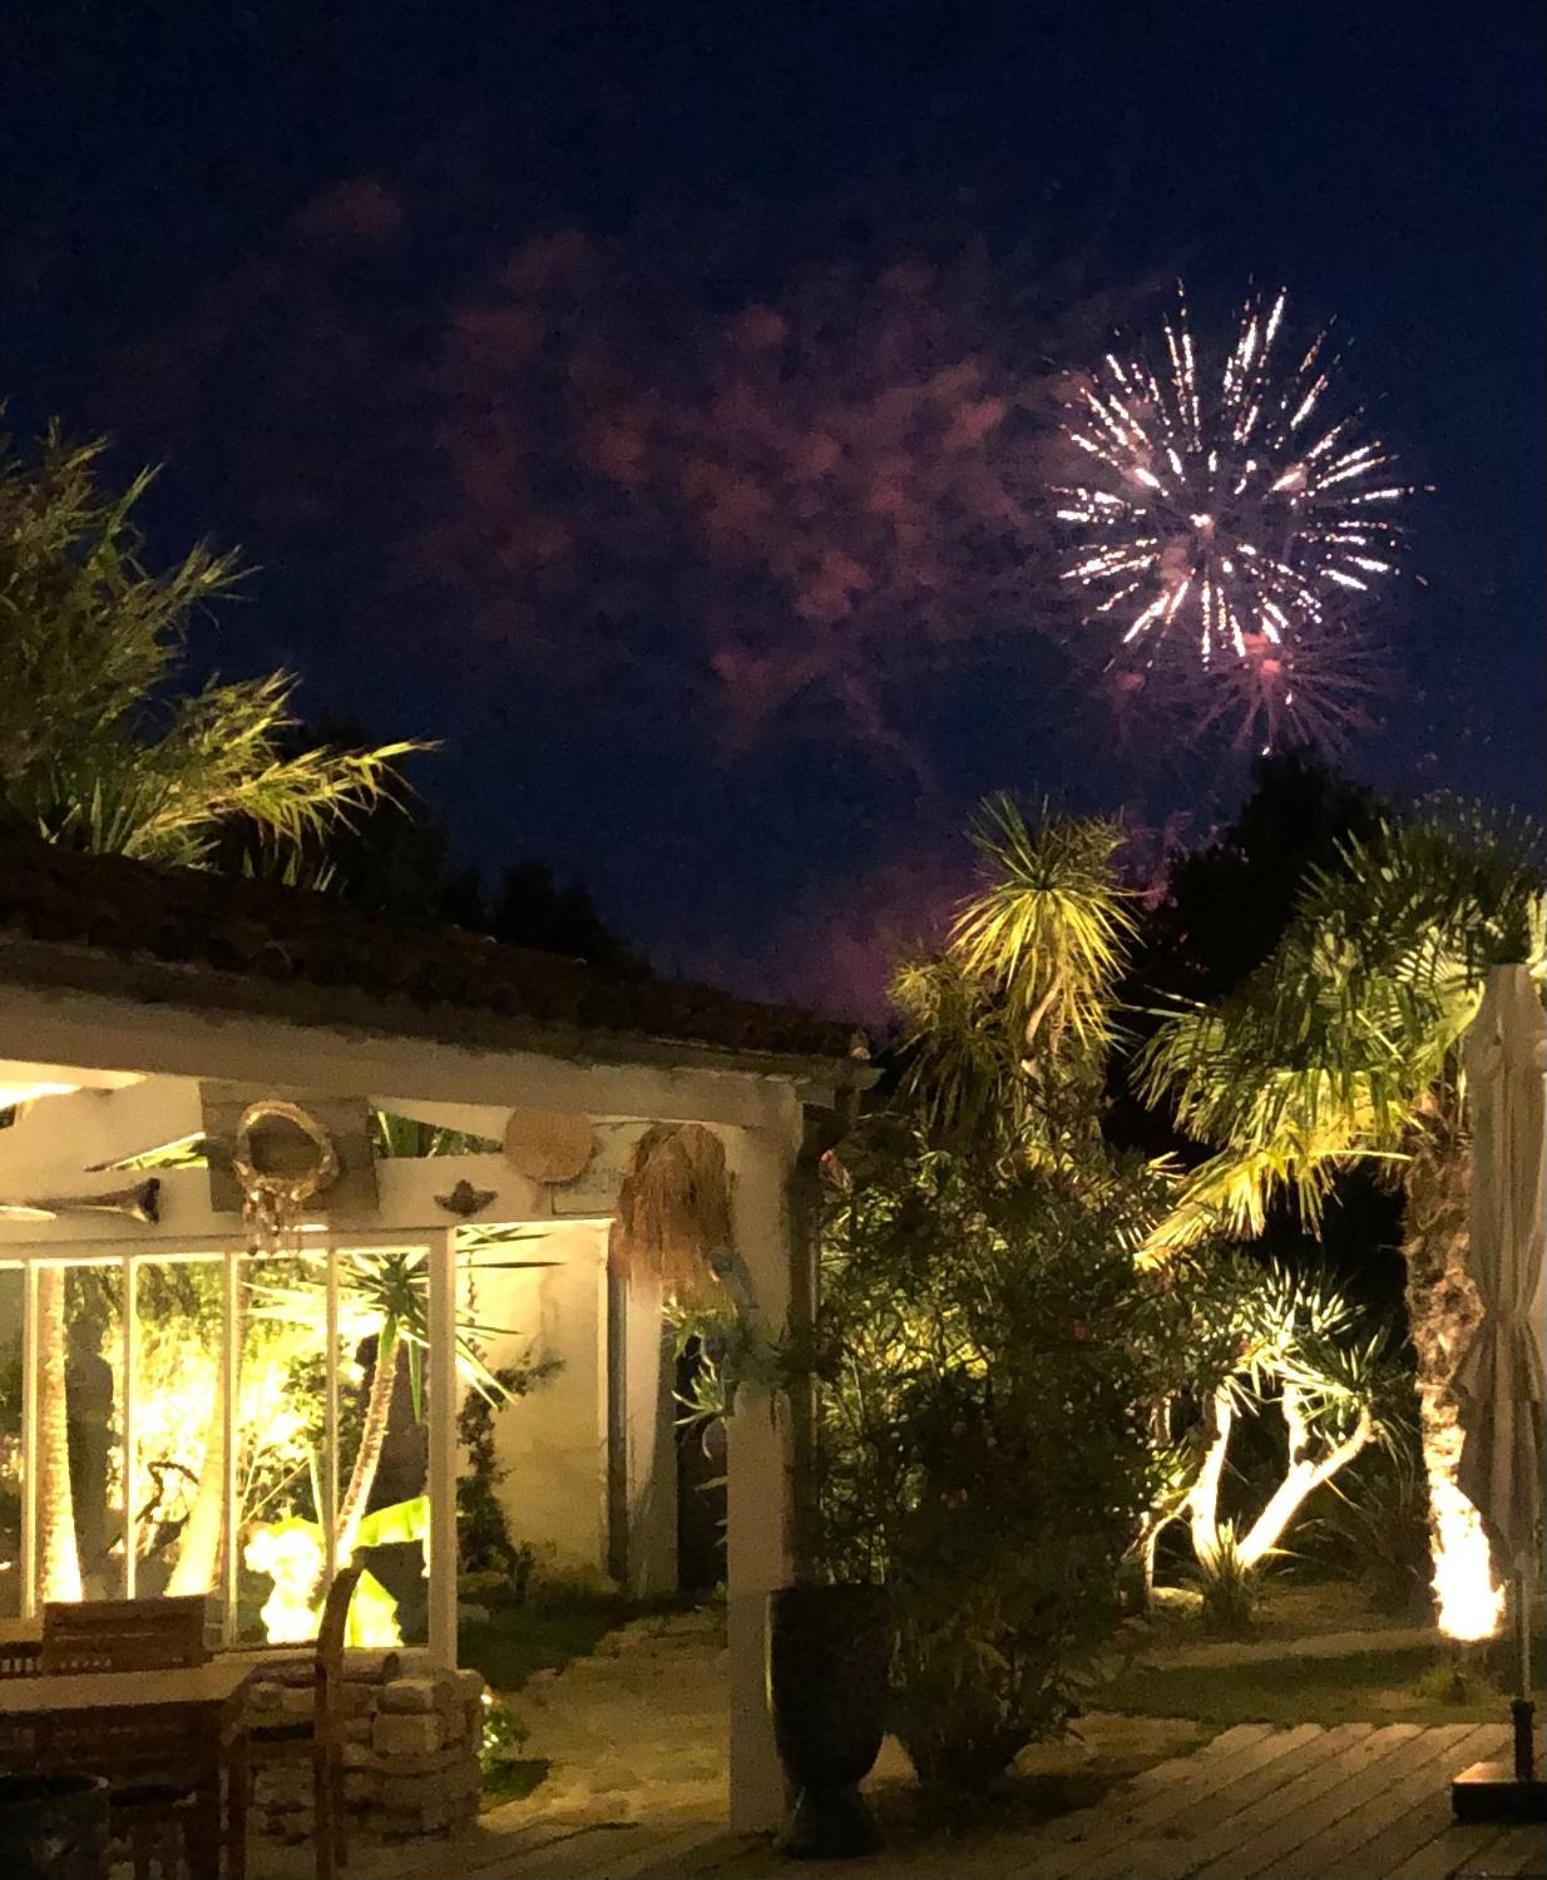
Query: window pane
x=383, y=1501
x=179, y=1475
x=80, y=1462
x=12, y=1294
x=281, y=1449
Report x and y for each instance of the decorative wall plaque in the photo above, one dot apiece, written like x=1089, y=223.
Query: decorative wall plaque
x=549, y=1145
x=278, y=1148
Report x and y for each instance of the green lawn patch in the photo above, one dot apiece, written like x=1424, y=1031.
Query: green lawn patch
x=1413, y=1684
x=515, y=1641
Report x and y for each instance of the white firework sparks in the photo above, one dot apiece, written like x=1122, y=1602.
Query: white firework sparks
x=1224, y=515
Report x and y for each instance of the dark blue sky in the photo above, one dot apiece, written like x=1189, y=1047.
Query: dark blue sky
x=239, y=237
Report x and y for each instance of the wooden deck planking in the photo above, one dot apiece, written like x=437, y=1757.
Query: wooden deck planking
x=1519, y=1854
x=1228, y=1745
x=1321, y=1798
x=1248, y=1839
x=1347, y=1803
x=1484, y=1849
x=1223, y=1786
x=1389, y=1819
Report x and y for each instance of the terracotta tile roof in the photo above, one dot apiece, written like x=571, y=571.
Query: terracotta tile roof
x=101, y=923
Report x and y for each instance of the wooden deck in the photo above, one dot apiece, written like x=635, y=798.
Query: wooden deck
x=1258, y=1803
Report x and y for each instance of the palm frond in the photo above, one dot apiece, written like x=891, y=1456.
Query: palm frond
x=1050, y=929
x=1328, y=1052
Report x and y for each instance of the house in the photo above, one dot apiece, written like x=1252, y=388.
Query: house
x=200, y=1077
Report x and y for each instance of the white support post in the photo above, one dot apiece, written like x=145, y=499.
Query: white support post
x=442, y=1380
x=758, y=1543
x=131, y=1354
x=29, y=1441
x=230, y=1372
x=329, y=1509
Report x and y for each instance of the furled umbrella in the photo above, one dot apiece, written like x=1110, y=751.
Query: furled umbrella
x=1502, y=1381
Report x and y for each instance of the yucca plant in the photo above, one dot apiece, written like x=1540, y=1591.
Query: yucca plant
x=385, y=1296
x=1007, y=1030
x=1372, y=1526
x=1229, y=1584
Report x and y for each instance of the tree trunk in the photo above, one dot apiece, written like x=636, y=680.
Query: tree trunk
x=373, y=1436
x=1304, y=1473
x=1443, y=1310
x=59, y=1566
x=199, y=1550
x=1203, y=1501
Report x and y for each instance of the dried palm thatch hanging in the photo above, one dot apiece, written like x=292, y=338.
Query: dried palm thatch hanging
x=674, y=1209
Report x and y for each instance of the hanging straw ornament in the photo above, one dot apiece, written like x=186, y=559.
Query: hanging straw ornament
x=673, y=1211
x=272, y=1203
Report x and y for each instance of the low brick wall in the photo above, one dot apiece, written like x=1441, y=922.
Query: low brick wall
x=412, y=1736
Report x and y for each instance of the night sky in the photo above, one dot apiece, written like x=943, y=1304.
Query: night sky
x=559, y=368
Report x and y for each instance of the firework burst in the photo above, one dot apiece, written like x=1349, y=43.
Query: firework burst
x=1226, y=524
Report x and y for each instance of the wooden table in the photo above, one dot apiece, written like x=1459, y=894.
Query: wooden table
x=124, y=1724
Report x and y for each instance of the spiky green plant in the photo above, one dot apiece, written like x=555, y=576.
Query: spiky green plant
x=98, y=747
x=1345, y=1047
x=1230, y=1585
x=385, y=1296
x=1009, y=1027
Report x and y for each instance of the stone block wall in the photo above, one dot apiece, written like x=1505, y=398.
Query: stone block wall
x=411, y=1742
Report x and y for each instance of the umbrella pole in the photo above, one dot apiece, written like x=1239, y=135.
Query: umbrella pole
x=1523, y=1710
x=1512, y=1791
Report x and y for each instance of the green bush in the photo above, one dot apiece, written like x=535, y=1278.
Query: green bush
x=981, y=1438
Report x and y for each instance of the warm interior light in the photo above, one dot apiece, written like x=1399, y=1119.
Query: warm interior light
x=13, y=1095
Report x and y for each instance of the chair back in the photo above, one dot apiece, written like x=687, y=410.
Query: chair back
x=123, y=1634
x=330, y=1649
x=19, y=1658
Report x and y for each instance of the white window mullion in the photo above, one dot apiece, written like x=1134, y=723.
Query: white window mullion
x=329, y=1510
x=230, y=1366
x=131, y=1353
x=442, y=1369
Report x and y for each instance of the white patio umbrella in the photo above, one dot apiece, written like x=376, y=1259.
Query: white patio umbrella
x=1502, y=1381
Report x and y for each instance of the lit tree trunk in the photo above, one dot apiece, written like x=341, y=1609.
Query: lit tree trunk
x=1443, y=1311
x=1203, y=1502
x=59, y=1566
x=373, y=1436
x=1304, y=1472
x=199, y=1550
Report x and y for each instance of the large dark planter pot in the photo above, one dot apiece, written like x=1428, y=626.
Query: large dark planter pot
x=53, y=1827
x=829, y=1654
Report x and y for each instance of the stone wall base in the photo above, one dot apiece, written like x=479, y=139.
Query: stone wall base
x=412, y=1737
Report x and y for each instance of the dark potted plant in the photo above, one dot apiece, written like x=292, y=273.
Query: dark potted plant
x=829, y=1655
x=54, y=1827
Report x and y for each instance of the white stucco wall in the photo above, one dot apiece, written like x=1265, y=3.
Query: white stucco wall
x=553, y=1441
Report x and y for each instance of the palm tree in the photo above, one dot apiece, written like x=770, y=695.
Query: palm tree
x=1007, y=1030
x=59, y=1565
x=1345, y=1047
x=99, y=751
x=385, y=1296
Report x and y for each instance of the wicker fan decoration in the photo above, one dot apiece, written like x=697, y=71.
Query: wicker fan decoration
x=674, y=1209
